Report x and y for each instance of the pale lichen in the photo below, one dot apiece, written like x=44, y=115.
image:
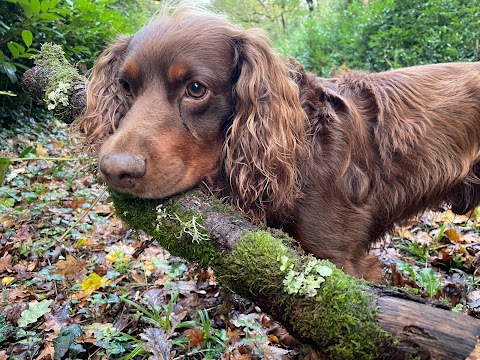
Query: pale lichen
x=60, y=78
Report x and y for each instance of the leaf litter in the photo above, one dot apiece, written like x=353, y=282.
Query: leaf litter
x=80, y=294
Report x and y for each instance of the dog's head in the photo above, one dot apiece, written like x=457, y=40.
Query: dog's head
x=192, y=97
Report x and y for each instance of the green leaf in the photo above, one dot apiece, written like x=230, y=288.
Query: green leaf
x=10, y=69
x=4, y=327
x=26, y=151
x=12, y=46
x=50, y=16
x=35, y=310
x=27, y=37
x=45, y=5
x=427, y=279
x=35, y=6
x=4, y=164
x=65, y=339
x=9, y=203
x=27, y=9
x=402, y=266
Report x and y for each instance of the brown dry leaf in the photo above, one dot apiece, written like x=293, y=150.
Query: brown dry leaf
x=72, y=268
x=239, y=356
x=423, y=238
x=51, y=324
x=235, y=335
x=3, y=355
x=195, y=336
x=403, y=232
x=16, y=294
x=5, y=262
x=103, y=209
x=41, y=151
x=138, y=277
x=47, y=352
x=75, y=203
x=453, y=236
x=157, y=343
x=398, y=278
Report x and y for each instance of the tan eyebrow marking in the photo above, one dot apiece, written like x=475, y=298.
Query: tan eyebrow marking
x=130, y=68
x=176, y=72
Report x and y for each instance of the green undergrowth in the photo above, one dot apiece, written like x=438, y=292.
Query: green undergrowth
x=324, y=306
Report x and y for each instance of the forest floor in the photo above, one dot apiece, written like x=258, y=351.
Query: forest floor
x=72, y=290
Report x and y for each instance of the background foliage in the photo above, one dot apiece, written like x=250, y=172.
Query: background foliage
x=82, y=27
x=370, y=35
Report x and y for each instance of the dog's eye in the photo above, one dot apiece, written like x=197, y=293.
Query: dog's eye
x=196, y=90
x=126, y=87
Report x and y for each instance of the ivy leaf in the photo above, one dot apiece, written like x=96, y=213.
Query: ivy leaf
x=65, y=339
x=4, y=327
x=35, y=310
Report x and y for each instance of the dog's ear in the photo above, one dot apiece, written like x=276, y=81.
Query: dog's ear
x=106, y=102
x=265, y=144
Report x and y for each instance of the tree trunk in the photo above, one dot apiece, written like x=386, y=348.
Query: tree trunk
x=344, y=317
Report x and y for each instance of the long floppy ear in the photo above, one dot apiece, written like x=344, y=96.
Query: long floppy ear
x=106, y=103
x=265, y=145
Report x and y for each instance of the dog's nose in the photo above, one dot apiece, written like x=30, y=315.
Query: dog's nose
x=122, y=169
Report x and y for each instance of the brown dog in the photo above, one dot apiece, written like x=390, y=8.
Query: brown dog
x=336, y=162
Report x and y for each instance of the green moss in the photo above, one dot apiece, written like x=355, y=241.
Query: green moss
x=339, y=318
x=170, y=227
x=60, y=80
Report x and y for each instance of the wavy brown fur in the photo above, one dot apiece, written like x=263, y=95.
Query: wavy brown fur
x=192, y=98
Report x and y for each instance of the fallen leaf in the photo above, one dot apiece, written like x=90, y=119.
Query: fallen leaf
x=103, y=209
x=195, y=336
x=423, y=238
x=72, y=268
x=453, y=235
x=157, y=343
x=89, y=331
x=41, y=151
x=5, y=262
x=47, y=353
x=92, y=283
x=138, y=277
x=7, y=280
x=35, y=310
x=273, y=339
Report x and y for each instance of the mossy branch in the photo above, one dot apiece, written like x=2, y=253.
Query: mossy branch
x=55, y=83
x=345, y=317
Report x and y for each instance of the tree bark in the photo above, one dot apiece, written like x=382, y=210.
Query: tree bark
x=344, y=317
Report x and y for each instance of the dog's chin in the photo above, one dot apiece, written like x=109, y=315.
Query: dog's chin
x=135, y=193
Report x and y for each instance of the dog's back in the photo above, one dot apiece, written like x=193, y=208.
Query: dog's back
x=391, y=145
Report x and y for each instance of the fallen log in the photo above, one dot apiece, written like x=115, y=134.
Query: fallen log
x=344, y=317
